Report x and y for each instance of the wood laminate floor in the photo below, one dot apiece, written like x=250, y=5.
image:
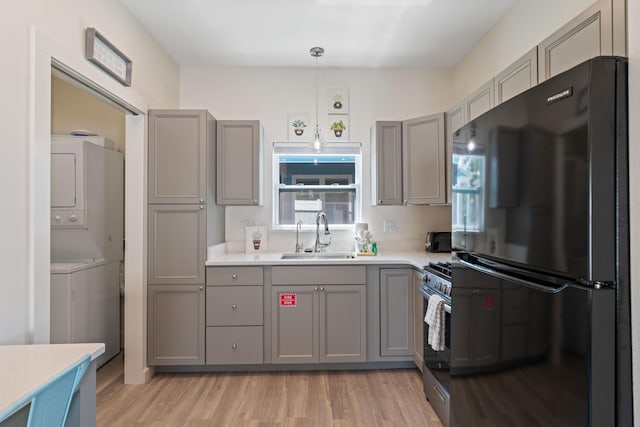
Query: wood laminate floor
x=323, y=398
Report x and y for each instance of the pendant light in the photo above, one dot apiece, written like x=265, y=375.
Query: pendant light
x=316, y=142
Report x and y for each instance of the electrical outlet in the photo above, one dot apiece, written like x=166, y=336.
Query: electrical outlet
x=390, y=226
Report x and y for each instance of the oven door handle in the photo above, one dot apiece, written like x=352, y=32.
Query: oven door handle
x=427, y=295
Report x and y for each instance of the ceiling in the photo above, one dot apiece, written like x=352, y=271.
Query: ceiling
x=354, y=33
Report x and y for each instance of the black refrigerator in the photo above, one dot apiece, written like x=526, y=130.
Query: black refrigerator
x=540, y=322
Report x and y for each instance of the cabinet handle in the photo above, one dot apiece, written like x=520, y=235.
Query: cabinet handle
x=201, y=288
x=234, y=276
x=404, y=202
x=201, y=200
x=315, y=288
x=234, y=346
x=234, y=306
x=255, y=201
x=380, y=201
x=321, y=288
x=201, y=207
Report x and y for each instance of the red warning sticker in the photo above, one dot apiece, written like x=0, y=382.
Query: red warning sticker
x=287, y=300
x=489, y=301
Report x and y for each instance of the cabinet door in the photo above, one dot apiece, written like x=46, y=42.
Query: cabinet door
x=481, y=101
x=396, y=312
x=175, y=325
x=343, y=323
x=176, y=244
x=239, y=162
x=294, y=328
x=518, y=77
x=387, y=164
x=588, y=35
x=423, y=147
x=177, y=156
x=418, y=321
x=455, y=120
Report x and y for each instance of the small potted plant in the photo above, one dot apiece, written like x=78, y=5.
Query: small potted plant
x=298, y=126
x=257, y=238
x=338, y=127
x=337, y=101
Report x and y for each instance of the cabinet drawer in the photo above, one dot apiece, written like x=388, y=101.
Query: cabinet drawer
x=436, y=396
x=226, y=276
x=319, y=275
x=231, y=345
x=234, y=306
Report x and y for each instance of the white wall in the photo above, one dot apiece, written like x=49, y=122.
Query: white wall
x=31, y=33
x=270, y=94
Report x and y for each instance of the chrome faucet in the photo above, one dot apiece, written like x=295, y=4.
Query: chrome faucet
x=299, y=244
x=321, y=245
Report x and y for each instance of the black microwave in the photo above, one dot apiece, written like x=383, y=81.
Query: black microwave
x=438, y=241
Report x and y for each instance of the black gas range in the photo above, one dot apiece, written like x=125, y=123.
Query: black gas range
x=435, y=372
x=437, y=279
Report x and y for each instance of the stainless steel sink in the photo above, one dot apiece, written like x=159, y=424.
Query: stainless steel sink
x=318, y=255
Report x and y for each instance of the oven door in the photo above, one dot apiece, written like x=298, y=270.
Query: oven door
x=435, y=371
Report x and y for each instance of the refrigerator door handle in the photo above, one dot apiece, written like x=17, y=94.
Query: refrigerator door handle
x=499, y=275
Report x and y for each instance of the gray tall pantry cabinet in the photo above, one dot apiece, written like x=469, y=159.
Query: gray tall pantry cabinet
x=183, y=219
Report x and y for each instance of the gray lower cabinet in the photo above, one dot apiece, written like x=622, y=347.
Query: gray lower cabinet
x=176, y=325
x=235, y=315
x=396, y=312
x=312, y=324
x=418, y=320
x=176, y=245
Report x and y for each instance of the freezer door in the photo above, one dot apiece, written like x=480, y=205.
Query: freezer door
x=528, y=355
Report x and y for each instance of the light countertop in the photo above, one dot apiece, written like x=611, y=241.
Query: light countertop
x=417, y=259
x=23, y=368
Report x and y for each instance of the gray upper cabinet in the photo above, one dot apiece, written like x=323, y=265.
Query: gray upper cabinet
x=396, y=312
x=455, y=120
x=481, y=101
x=239, y=162
x=588, y=35
x=518, y=77
x=177, y=156
x=176, y=245
x=175, y=329
x=387, y=163
x=423, y=159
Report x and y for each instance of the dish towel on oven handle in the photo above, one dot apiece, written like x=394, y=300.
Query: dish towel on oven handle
x=434, y=317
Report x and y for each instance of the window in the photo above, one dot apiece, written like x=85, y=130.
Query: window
x=308, y=182
x=468, y=179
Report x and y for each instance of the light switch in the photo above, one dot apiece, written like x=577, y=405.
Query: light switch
x=390, y=226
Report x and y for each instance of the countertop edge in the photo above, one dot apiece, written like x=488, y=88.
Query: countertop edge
x=416, y=259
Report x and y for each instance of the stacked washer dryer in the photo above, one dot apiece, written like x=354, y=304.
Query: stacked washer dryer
x=87, y=236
